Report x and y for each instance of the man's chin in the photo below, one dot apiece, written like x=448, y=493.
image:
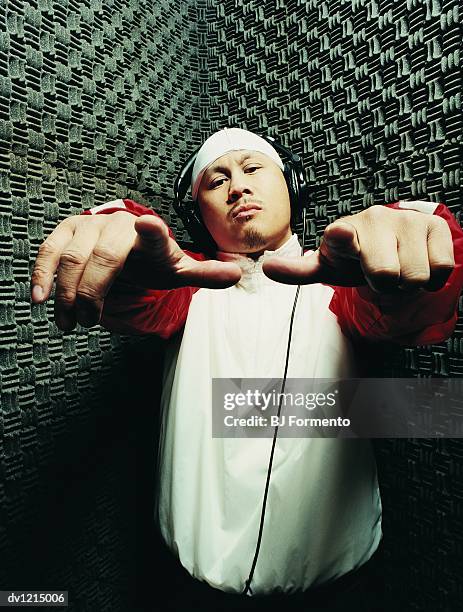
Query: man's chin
x=253, y=240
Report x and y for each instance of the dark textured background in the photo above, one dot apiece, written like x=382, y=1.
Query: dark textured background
x=100, y=100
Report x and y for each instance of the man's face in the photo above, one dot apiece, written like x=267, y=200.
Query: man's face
x=244, y=202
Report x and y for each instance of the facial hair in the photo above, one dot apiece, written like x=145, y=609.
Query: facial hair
x=253, y=239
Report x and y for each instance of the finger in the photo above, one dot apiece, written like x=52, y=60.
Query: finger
x=341, y=238
x=209, y=274
x=336, y=262
x=379, y=257
x=413, y=258
x=104, y=262
x=172, y=267
x=294, y=270
x=71, y=267
x=153, y=239
x=440, y=254
x=48, y=258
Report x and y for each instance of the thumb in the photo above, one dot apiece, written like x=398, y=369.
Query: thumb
x=153, y=238
x=210, y=274
x=294, y=270
x=340, y=240
x=174, y=267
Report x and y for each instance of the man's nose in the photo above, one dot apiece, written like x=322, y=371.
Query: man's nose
x=238, y=188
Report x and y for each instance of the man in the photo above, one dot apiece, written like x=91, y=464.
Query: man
x=382, y=274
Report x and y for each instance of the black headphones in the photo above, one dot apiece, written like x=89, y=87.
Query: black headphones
x=190, y=215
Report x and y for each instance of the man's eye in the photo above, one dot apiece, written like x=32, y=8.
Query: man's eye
x=217, y=183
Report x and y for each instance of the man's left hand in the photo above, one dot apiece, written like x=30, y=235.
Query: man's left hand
x=385, y=248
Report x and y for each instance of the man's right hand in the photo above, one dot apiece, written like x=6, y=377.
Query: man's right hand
x=90, y=252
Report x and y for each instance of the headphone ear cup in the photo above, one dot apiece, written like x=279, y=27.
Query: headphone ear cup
x=293, y=190
x=199, y=232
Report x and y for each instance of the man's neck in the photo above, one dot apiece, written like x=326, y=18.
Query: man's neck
x=271, y=246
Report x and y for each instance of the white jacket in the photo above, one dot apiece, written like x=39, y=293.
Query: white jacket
x=323, y=513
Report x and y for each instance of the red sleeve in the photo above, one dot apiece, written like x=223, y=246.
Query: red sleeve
x=129, y=309
x=426, y=318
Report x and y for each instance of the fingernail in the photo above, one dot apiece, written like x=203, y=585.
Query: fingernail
x=37, y=293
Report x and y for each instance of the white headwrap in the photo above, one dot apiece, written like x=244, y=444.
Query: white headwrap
x=224, y=141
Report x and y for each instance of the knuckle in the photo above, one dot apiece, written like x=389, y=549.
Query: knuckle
x=443, y=267
x=382, y=278
x=441, y=227
x=65, y=296
x=412, y=215
x=438, y=221
x=415, y=278
x=39, y=273
x=384, y=273
x=122, y=214
x=69, y=220
x=88, y=296
x=106, y=256
x=72, y=258
x=48, y=247
x=375, y=212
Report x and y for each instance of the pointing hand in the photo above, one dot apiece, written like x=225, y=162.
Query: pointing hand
x=89, y=253
x=385, y=248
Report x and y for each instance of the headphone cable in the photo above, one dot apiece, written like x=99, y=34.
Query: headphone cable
x=247, y=588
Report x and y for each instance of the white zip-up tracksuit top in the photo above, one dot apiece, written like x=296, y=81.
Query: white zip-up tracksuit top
x=323, y=514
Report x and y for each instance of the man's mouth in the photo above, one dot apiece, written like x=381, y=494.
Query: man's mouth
x=246, y=210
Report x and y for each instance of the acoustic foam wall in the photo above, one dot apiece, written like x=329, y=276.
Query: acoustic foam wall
x=98, y=100
x=369, y=93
